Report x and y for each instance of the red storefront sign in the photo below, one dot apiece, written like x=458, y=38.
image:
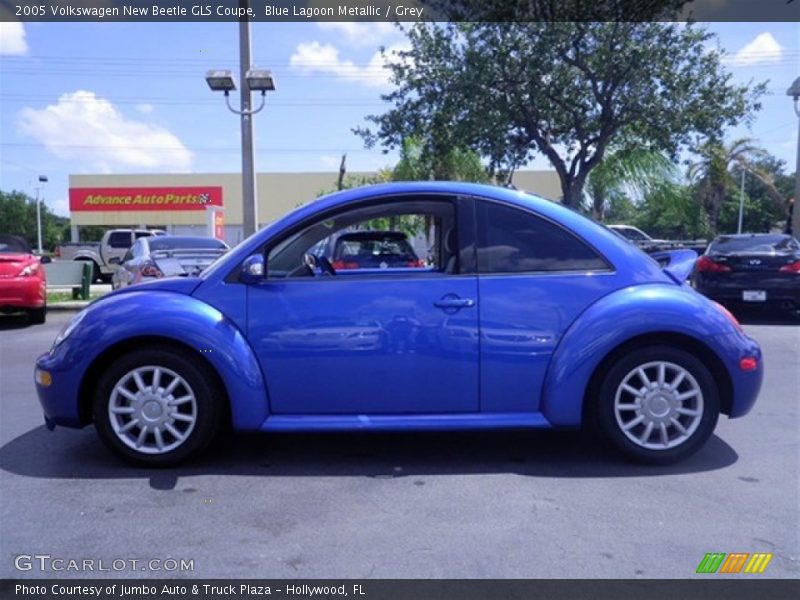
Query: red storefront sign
x=144, y=198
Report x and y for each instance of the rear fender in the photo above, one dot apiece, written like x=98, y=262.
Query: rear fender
x=610, y=322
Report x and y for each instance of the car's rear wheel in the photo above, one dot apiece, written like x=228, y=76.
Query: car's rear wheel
x=156, y=407
x=658, y=404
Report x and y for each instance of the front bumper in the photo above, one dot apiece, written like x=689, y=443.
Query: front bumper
x=59, y=395
x=22, y=292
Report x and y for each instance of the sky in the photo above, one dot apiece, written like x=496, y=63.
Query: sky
x=83, y=98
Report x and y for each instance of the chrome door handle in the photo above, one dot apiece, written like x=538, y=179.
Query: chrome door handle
x=454, y=302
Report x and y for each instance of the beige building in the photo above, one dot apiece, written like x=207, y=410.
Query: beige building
x=180, y=203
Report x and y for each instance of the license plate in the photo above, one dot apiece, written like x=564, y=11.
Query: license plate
x=754, y=296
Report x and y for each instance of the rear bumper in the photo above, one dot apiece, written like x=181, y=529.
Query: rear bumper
x=745, y=385
x=22, y=292
x=785, y=293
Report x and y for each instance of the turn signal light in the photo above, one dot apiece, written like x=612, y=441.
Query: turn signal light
x=707, y=265
x=748, y=364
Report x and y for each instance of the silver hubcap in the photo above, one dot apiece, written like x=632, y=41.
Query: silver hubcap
x=658, y=405
x=152, y=409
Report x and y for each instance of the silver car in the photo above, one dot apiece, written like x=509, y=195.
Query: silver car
x=166, y=256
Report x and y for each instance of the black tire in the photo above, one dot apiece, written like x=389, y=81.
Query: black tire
x=207, y=401
x=612, y=430
x=37, y=316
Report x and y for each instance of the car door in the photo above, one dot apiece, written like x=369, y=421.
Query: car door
x=534, y=277
x=382, y=340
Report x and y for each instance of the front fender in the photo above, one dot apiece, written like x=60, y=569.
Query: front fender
x=184, y=319
x=614, y=319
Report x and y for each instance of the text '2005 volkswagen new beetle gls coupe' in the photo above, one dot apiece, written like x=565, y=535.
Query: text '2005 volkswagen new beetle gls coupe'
x=519, y=313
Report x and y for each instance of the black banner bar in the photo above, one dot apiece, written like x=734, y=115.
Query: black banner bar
x=733, y=588
x=398, y=10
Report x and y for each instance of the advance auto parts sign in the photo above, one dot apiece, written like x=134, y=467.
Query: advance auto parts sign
x=144, y=198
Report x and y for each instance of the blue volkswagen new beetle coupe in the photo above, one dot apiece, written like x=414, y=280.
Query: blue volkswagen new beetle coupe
x=518, y=313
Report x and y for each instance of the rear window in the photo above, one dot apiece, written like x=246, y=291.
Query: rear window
x=177, y=243
x=13, y=244
x=761, y=243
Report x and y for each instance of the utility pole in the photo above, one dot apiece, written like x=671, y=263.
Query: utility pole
x=249, y=196
x=741, y=203
x=794, y=92
x=42, y=179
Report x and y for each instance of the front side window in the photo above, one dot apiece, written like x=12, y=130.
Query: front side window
x=391, y=237
x=512, y=240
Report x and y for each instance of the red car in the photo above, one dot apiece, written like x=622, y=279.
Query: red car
x=22, y=279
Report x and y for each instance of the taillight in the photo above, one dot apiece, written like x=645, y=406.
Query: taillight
x=150, y=270
x=416, y=264
x=338, y=265
x=729, y=315
x=791, y=267
x=707, y=265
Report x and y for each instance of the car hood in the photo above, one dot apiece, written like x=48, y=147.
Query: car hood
x=180, y=285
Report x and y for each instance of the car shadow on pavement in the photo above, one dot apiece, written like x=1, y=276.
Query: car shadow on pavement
x=65, y=454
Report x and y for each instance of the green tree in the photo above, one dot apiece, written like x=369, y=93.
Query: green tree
x=18, y=217
x=568, y=90
x=630, y=174
x=669, y=211
x=714, y=176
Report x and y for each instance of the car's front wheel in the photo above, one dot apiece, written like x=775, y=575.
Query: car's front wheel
x=156, y=407
x=658, y=404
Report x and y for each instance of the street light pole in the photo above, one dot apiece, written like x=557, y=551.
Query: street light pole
x=253, y=80
x=249, y=202
x=42, y=179
x=794, y=92
x=741, y=204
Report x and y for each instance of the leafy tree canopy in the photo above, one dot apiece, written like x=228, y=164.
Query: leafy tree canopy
x=18, y=217
x=566, y=90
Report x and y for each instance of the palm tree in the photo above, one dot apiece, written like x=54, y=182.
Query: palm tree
x=713, y=176
x=632, y=173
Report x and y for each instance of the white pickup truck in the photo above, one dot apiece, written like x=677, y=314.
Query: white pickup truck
x=115, y=243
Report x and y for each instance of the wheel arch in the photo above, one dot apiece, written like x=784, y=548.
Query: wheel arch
x=651, y=313
x=91, y=376
x=659, y=338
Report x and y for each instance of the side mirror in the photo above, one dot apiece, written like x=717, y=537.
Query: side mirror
x=115, y=260
x=45, y=260
x=252, y=269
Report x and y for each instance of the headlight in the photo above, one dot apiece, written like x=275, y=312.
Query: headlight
x=69, y=328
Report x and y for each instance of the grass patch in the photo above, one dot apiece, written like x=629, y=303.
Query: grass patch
x=66, y=296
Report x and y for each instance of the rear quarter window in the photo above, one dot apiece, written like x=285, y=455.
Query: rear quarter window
x=512, y=240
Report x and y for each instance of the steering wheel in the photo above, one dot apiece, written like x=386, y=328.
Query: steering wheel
x=314, y=264
x=325, y=265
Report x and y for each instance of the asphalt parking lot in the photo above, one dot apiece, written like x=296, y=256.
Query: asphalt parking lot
x=466, y=505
